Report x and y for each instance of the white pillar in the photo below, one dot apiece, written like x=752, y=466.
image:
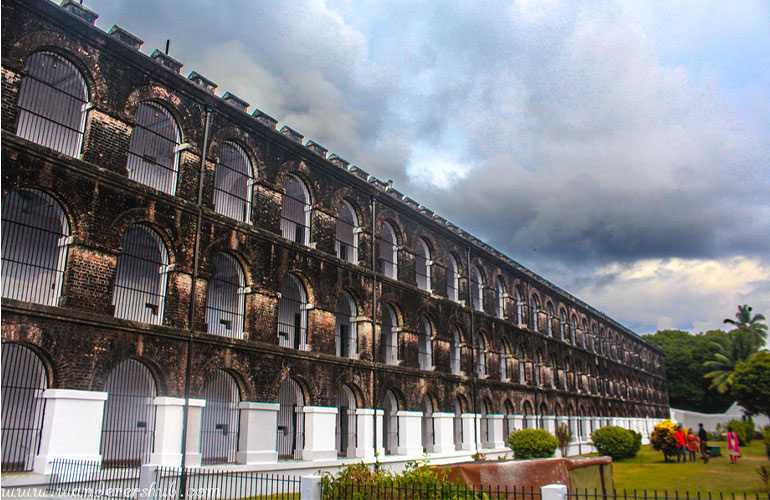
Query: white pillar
x=478, y=435
x=310, y=488
x=192, y=455
x=443, y=432
x=514, y=424
x=169, y=418
x=409, y=433
x=531, y=421
x=467, y=421
x=597, y=422
x=257, y=439
x=586, y=428
x=549, y=424
x=320, y=433
x=72, y=427
x=379, y=416
x=573, y=425
x=553, y=492
x=495, y=426
x=364, y=434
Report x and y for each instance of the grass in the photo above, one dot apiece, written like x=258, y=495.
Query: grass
x=648, y=471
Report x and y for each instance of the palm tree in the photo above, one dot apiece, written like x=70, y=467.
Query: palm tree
x=740, y=347
x=751, y=324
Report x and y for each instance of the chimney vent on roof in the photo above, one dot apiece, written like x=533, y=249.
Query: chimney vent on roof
x=340, y=162
x=202, y=81
x=291, y=133
x=265, y=119
x=124, y=36
x=236, y=101
x=78, y=10
x=166, y=60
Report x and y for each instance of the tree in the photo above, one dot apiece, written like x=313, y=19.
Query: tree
x=685, y=355
x=751, y=384
x=740, y=347
x=750, y=324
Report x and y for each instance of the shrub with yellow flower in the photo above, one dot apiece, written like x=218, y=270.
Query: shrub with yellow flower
x=662, y=438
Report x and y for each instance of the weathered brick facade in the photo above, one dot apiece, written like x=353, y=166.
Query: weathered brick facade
x=81, y=341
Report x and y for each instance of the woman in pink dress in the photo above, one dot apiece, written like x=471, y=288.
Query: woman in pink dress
x=732, y=446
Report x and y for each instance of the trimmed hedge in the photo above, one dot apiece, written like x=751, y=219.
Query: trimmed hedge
x=532, y=443
x=616, y=442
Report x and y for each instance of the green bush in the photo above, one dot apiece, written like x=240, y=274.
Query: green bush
x=616, y=442
x=744, y=430
x=532, y=443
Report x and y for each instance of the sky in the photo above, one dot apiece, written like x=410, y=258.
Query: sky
x=620, y=149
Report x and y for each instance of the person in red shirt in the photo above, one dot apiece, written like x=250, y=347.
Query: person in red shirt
x=681, y=444
x=692, y=444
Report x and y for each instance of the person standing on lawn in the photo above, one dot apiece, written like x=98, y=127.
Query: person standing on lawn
x=681, y=444
x=704, y=446
x=692, y=444
x=732, y=446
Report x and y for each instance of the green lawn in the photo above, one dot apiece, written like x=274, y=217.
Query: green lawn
x=648, y=471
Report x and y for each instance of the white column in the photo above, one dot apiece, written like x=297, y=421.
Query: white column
x=257, y=439
x=495, y=423
x=549, y=423
x=320, y=433
x=169, y=413
x=192, y=455
x=443, y=432
x=72, y=427
x=573, y=425
x=467, y=421
x=531, y=421
x=364, y=434
x=409, y=433
x=478, y=435
x=379, y=415
x=597, y=421
x=514, y=424
x=586, y=428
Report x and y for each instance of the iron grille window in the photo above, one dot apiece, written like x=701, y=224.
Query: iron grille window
x=346, y=423
x=425, y=345
x=128, y=427
x=225, y=297
x=457, y=424
x=34, y=233
x=484, y=423
x=452, y=280
x=390, y=423
x=549, y=320
x=295, y=211
x=454, y=351
x=422, y=266
x=219, y=419
x=23, y=382
x=153, y=153
x=233, y=183
x=519, y=307
x=346, y=331
x=292, y=314
x=389, y=251
x=504, y=360
x=481, y=357
x=53, y=102
x=534, y=311
x=522, y=369
x=500, y=299
x=346, y=244
x=390, y=335
x=428, y=431
x=477, y=290
x=140, y=280
x=291, y=422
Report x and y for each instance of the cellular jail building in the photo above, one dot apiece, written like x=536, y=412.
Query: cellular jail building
x=182, y=277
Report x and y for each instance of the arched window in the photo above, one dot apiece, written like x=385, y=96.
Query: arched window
x=427, y=424
x=24, y=379
x=153, y=154
x=452, y=279
x=346, y=332
x=573, y=330
x=140, y=278
x=477, y=289
x=34, y=233
x=346, y=423
x=534, y=308
x=422, y=265
x=563, y=326
x=481, y=357
x=291, y=422
x=233, y=183
x=457, y=423
x=519, y=306
x=455, y=350
x=554, y=372
x=292, y=314
x=527, y=412
x=295, y=211
x=522, y=366
x=225, y=297
x=390, y=334
x=52, y=104
x=586, y=333
x=346, y=244
x=128, y=426
x=507, y=420
x=219, y=419
x=505, y=360
x=549, y=319
x=389, y=251
x=539, y=369
x=484, y=409
x=499, y=298
x=390, y=423
x=425, y=344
